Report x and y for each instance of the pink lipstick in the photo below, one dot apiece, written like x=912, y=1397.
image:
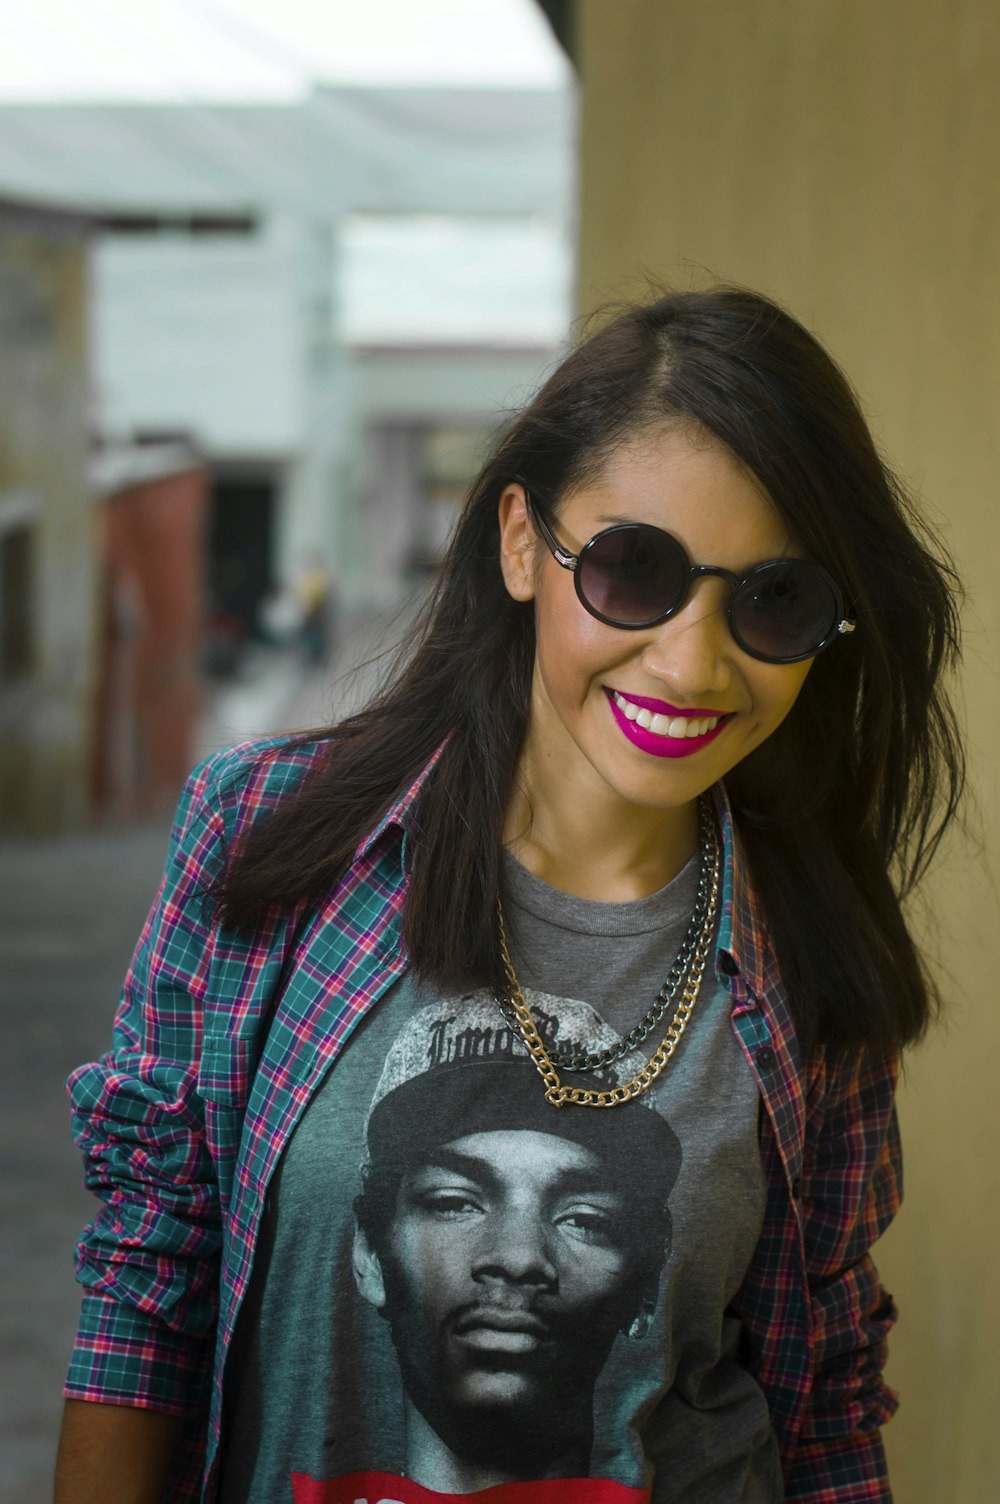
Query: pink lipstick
x=654, y=742
x=662, y=707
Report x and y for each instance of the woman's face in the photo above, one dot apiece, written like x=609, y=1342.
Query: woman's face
x=688, y=669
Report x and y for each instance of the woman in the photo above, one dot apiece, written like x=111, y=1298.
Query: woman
x=618, y=855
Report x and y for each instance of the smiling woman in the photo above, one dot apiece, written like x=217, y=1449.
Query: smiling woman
x=503, y=1088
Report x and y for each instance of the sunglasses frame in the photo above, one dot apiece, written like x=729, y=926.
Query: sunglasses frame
x=842, y=626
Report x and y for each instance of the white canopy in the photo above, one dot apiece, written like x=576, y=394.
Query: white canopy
x=241, y=50
x=343, y=149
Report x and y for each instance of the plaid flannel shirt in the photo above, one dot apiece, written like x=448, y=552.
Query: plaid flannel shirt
x=221, y=1040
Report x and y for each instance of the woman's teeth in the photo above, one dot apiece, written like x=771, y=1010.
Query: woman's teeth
x=666, y=725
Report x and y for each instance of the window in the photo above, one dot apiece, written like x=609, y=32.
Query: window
x=17, y=568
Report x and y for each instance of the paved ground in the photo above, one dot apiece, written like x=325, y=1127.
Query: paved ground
x=70, y=914
x=70, y=911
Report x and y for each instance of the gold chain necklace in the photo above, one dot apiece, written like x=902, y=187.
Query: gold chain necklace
x=559, y=1095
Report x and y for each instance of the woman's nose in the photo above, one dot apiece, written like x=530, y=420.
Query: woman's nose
x=692, y=651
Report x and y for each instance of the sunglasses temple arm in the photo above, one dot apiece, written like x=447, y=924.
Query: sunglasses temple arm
x=561, y=555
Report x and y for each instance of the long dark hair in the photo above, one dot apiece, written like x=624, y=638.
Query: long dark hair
x=840, y=810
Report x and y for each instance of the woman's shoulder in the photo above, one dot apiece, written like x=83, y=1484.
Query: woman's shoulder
x=245, y=780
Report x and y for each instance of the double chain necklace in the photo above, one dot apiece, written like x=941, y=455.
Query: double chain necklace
x=682, y=984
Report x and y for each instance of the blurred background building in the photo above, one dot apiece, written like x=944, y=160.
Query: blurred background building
x=47, y=555
x=301, y=322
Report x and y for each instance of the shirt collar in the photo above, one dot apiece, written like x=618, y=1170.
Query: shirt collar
x=743, y=932
x=402, y=814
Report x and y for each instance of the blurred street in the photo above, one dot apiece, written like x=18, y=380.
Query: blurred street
x=70, y=911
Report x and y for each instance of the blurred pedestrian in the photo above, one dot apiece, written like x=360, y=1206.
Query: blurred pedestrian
x=280, y=617
x=316, y=606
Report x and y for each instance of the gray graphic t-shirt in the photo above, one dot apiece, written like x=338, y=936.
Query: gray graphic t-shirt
x=461, y=1291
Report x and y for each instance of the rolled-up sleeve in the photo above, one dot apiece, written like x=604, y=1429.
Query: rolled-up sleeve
x=149, y=1260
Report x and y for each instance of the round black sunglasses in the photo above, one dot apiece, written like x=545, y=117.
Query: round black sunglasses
x=633, y=575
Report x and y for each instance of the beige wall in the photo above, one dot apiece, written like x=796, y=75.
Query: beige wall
x=844, y=156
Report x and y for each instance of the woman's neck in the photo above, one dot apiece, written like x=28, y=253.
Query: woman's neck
x=596, y=847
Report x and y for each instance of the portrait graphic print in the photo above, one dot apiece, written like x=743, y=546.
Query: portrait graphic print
x=509, y=1253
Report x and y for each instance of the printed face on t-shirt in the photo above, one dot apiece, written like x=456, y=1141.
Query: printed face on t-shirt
x=509, y=1265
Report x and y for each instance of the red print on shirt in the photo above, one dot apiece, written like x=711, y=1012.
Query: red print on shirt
x=388, y=1488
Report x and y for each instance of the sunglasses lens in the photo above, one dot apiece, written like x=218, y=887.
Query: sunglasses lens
x=785, y=610
x=632, y=574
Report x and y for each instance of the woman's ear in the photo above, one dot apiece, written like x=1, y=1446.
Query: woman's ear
x=518, y=543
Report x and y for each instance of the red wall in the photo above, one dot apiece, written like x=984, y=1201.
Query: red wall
x=152, y=615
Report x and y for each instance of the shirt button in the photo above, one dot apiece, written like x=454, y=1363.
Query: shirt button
x=797, y=1188
x=765, y=1057
x=727, y=963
